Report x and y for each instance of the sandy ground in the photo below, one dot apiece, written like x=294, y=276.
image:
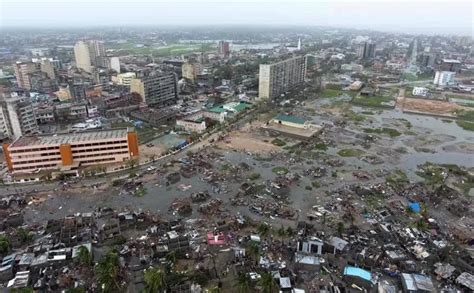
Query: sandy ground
x=249, y=139
x=147, y=152
x=429, y=106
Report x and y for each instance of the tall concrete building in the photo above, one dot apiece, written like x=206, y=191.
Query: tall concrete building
x=91, y=53
x=452, y=65
x=156, y=89
x=47, y=67
x=82, y=56
x=367, y=50
x=224, y=49
x=277, y=78
x=97, y=53
x=113, y=63
x=190, y=70
x=22, y=72
x=25, y=71
x=18, y=117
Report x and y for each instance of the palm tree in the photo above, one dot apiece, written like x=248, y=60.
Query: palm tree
x=243, y=283
x=253, y=251
x=84, y=256
x=340, y=228
x=171, y=257
x=263, y=229
x=215, y=290
x=281, y=231
x=154, y=280
x=24, y=235
x=108, y=272
x=4, y=245
x=267, y=282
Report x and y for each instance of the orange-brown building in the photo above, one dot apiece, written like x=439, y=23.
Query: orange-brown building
x=30, y=154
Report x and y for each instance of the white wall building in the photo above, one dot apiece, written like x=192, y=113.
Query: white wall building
x=114, y=64
x=420, y=91
x=82, y=56
x=443, y=78
x=124, y=78
x=278, y=78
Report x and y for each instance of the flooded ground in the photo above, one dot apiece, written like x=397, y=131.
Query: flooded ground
x=383, y=140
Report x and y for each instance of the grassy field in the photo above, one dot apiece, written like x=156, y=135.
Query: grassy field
x=373, y=102
x=462, y=97
x=465, y=125
x=350, y=153
x=388, y=131
x=171, y=50
x=334, y=93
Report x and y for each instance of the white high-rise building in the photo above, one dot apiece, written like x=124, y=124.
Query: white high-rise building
x=114, y=64
x=277, y=78
x=82, y=56
x=90, y=53
x=443, y=78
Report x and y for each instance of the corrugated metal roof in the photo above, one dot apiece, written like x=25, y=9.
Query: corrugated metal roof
x=290, y=118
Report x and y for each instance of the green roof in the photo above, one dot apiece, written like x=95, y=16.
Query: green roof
x=290, y=118
x=217, y=109
x=242, y=106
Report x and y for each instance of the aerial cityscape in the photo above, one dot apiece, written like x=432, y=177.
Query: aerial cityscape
x=195, y=154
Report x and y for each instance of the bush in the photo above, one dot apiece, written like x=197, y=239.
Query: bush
x=350, y=152
x=280, y=170
x=278, y=142
x=254, y=176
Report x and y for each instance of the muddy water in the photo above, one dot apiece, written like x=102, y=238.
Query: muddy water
x=427, y=140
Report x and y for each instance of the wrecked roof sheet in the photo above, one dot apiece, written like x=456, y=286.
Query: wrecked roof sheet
x=358, y=272
x=418, y=282
x=466, y=279
x=338, y=243
x=285, y=283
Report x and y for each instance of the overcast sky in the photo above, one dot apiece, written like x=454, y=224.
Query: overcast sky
x=411, y=16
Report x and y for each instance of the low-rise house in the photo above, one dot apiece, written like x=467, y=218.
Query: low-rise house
x=358, y=276
x=416, y=283
x=420, y=91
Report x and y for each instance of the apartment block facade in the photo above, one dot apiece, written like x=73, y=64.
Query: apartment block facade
x=157, y=89
x=277, y=78
x=34, y=153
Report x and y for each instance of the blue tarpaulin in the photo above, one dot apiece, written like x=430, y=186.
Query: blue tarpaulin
x=358, y=272
x=415, y=207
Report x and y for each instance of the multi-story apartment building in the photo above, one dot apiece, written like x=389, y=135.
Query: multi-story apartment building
x=22, y=72
x=224, y=49
x=89, y=54
x=452, y=65
x=156, y=89
x=124, y=78
x=83, y=56
x=366, y=50
x=277, y=78
x=33, y=153
x=190, y=70
x=18, y=117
